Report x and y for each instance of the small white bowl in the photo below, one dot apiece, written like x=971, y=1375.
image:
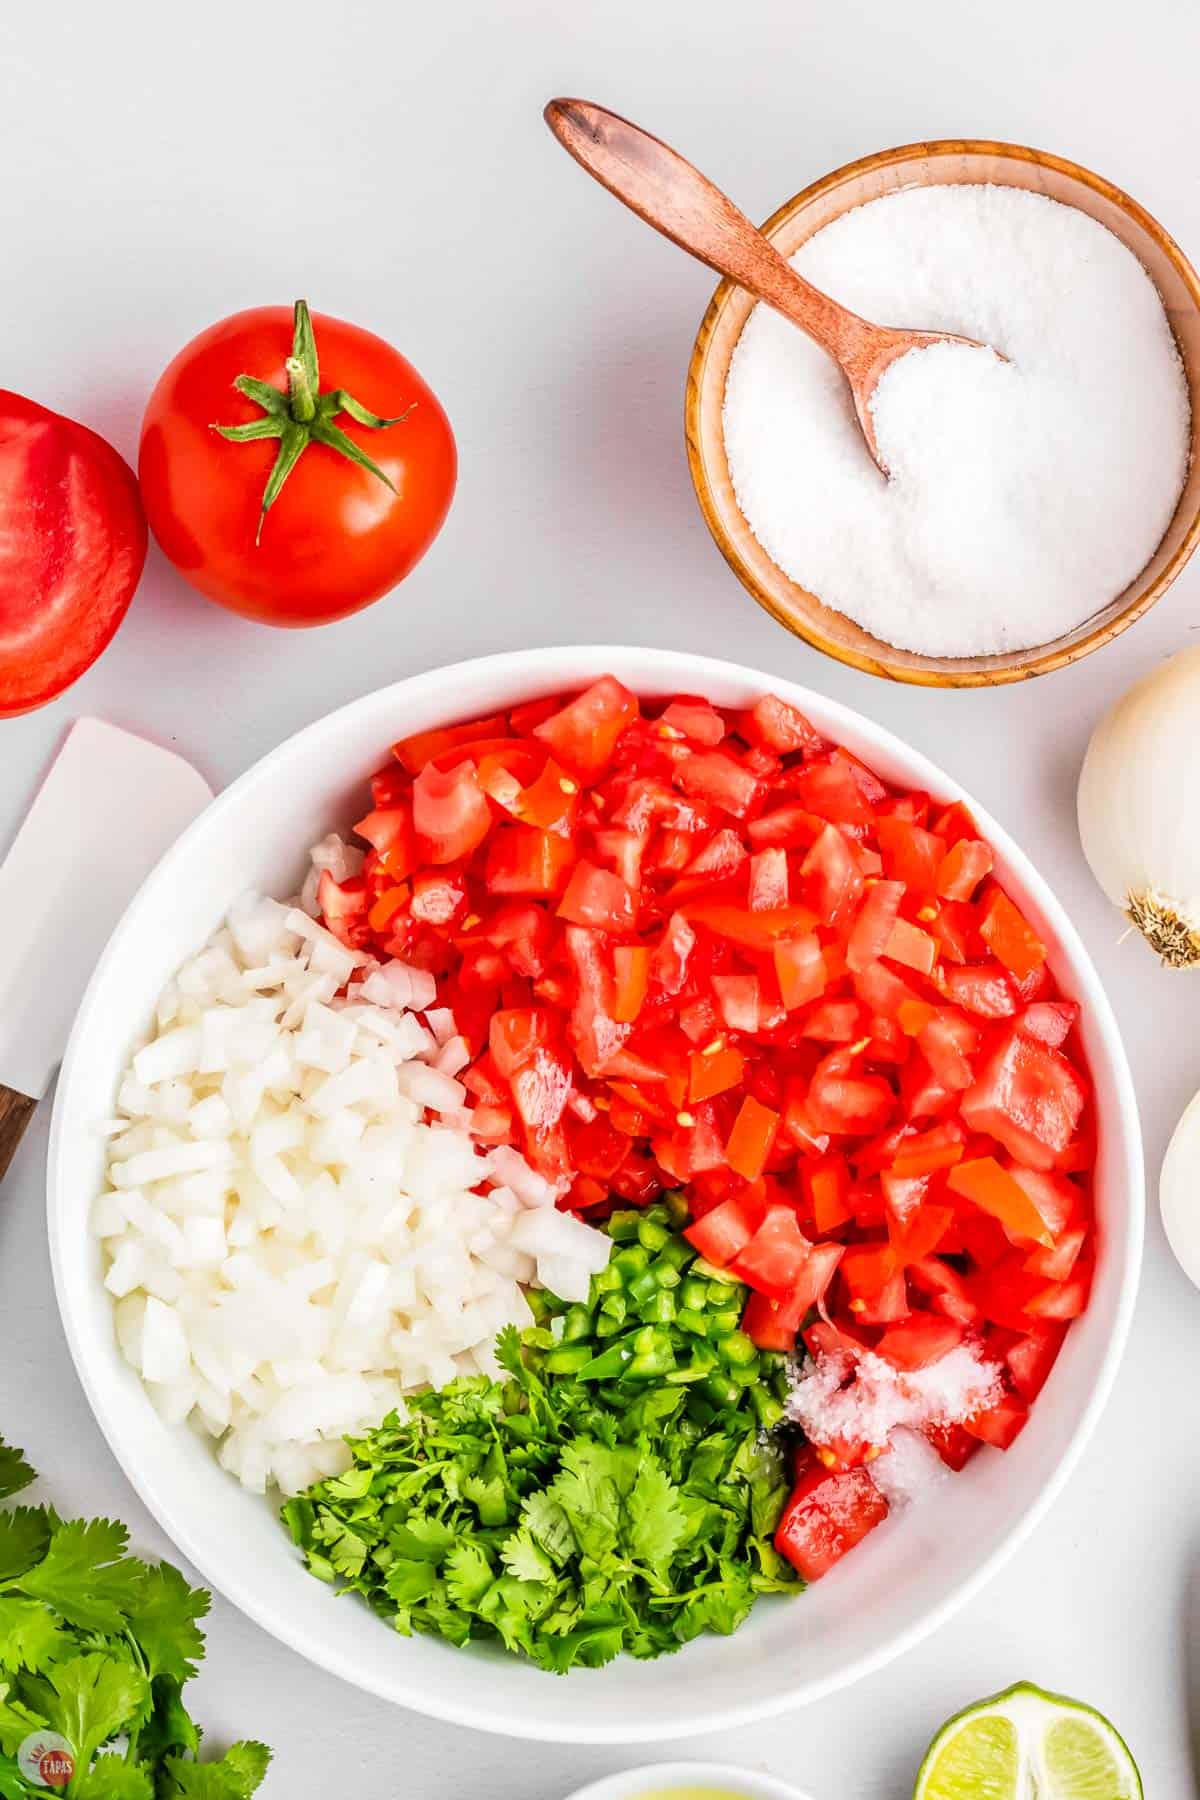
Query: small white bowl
x=660, y=1779
x=911, y=1575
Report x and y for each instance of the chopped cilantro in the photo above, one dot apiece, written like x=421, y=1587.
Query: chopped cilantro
x=569, y=1519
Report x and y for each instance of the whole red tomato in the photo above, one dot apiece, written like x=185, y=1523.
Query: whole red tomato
x=290, y=489
x=72, y=545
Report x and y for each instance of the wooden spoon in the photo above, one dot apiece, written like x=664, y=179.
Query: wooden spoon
x=658, y=185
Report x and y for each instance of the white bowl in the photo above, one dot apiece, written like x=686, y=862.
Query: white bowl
x=898, y=1587
x=662, y=1779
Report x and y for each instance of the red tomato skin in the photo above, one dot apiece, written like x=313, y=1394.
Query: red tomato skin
x=827, y=1515
x=337, y=538
x=72, y=546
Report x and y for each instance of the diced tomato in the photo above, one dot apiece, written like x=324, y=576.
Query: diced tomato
x=751, y=1140
x=921, y=1339
x=523, y=860
x=1000, y=1424
x=874, y=925
x=451, y=815
x=834, y=1022
x=696, y=719
x=921, y=1235
x=772, y=1262
x=596, y=1034
x=727, y=1229
x=414, y=752
x=982, y=988
x=911, y=855
x=749, y=930
x=1062, y=1299
x=947, y=1289
x=1028, y=1097
x=829, y=789
x=938, y=1148
x=948, y=1042
x=1009, y=935
x=800, y=970
x=714, y=1070
x=737, y=998
x=723, y=855
x=549, y=800
x=792, y=827
x=598, y=898
x=840, y=1101
x=715, y=778
x=344, y=907
x=1057, y=1262
x=963, y=868
x=1050, y=1021
x=827, y=1515
x=831, y=876
x=953, y=1443
x=438, y=898
x=1032, y=1357
x=583, y=736
x=912, y=947
x=775, y=725
x=768, y=880
x=631, y=966
x=994, y=1190
x=812, y=1283
x=955, y=822
x=827, y=1187
x=390, y=833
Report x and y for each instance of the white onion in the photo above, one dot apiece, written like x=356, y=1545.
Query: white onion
x=294, y=1229
x=1139, y=807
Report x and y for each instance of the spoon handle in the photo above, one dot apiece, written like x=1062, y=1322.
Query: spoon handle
x=668, y=193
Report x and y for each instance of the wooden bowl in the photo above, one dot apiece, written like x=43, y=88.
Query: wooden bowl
x=948, y=162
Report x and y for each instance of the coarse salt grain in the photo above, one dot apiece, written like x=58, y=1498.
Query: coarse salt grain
x=1023, y=495
x=862, y=1400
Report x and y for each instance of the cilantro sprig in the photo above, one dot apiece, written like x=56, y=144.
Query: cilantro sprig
x=570, y=1518
x=97, y=1646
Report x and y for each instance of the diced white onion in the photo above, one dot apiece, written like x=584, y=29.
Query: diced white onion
x=293, y=1226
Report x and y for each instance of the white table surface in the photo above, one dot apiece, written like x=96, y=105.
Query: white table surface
x=164, y=165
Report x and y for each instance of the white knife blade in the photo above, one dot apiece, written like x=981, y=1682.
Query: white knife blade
x=110, y=806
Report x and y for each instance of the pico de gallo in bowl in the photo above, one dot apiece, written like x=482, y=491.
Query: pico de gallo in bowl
x=704, y=955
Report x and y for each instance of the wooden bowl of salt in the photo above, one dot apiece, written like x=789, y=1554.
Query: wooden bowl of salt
x=948, y=163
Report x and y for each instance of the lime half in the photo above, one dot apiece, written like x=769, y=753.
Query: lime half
x=1024, y=1744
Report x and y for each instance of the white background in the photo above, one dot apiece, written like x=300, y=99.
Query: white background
x=163, y=165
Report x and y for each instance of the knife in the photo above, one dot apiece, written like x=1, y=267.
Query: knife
x=108, y=809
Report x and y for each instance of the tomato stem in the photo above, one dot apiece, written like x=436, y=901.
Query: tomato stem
x=302, y=415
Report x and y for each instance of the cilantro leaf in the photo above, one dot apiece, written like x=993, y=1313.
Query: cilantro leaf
x=407, y=1581
x=163, y=1620
x=656, y=1524
x=525, y=1560
x=15, y=1472
x=16, y=1720
x=469, y=1575
x=112, y=1778
x=24, y=1535
x=30, y=1635
x=234, y=1776
x=86, y=1576
x=89, y=1699
x=247, y=1763
x=169, y=1726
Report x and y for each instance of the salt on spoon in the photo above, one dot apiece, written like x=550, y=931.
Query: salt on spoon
x=655, y=182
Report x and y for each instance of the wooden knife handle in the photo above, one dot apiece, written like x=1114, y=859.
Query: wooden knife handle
x=16, y=1110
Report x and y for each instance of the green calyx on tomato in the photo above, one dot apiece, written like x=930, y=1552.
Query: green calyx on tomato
x=303, y=415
